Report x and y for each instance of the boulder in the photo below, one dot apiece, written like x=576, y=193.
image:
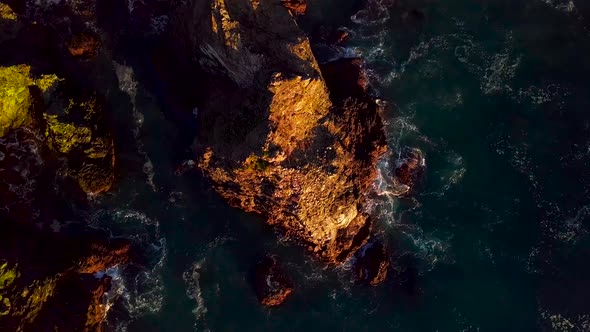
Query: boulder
x=272, y=285
x=370, y=264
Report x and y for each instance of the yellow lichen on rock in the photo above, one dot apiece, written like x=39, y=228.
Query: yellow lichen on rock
x=65, y=137
x=31, y=300
x=23, y=303
x=8, y=275
x=16, y=98
x=296, y=107
x=6, y=13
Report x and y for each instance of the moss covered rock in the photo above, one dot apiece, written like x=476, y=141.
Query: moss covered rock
x=80, y=135
x=19, y=93
x=21, y=299
x=65, y=137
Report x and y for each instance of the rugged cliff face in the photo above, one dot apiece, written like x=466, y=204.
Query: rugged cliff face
x=279, y=135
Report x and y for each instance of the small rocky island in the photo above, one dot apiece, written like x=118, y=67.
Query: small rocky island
x=278, y=134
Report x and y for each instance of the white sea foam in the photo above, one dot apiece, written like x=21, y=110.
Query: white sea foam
x=561, y=322
x=129, y=85
x=142, y=291
x=375, y=12
x=550, y=93
x=193, y=288
x=567, y=6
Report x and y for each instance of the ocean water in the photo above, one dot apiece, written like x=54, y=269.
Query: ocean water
x=494, y=238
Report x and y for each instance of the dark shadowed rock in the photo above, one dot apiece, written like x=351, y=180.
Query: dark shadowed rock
x=271, y=283
x=83, y=45
x=371, y=263
x=345, y=79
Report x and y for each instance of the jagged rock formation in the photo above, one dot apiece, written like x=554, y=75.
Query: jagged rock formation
x=279, y=135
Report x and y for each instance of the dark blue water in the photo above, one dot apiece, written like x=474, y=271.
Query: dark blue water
x=495, y=238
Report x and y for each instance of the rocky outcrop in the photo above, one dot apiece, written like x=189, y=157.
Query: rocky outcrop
x=272, y=285
x=277, y=136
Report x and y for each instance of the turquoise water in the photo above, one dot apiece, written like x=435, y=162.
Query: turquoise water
x=495, y=238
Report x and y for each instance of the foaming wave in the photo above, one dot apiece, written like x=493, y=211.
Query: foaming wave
x=566, y=6
x=138, y=288
x=375, y=12
x=429, y=248
x=129, y=85
x=20, y=165
x=559, y=322
x=452, y=174
x=542, y=95
x=192, y=278
x=193, y=288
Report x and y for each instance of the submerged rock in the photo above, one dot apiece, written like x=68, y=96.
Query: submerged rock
x=370, y=264
x=21, y=96
x=409, y=168
x=272, y=285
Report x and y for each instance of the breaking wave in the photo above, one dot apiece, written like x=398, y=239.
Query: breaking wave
x=138, y=288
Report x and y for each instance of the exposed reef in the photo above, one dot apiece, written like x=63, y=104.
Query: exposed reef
x=272, y=285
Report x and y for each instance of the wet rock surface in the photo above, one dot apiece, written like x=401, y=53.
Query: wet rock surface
x=271, y=284
x=371, y=264
x=409, y=168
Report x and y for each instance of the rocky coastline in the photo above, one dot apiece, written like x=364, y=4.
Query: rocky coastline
x=278, y=134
